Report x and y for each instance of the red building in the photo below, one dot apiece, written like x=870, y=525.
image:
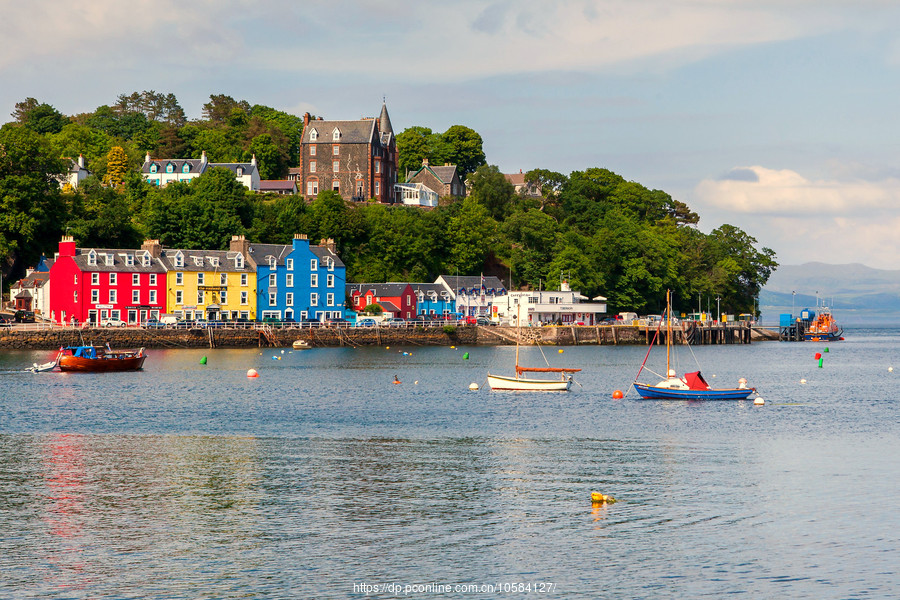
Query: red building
x=95, y=284
x=399, y=299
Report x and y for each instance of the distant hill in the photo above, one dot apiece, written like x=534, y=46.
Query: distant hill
x=859, y=295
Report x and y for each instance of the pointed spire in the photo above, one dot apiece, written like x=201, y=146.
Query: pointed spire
x=384, y=122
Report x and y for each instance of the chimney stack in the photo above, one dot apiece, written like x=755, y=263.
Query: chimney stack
x=239, y=244
x=153, y=247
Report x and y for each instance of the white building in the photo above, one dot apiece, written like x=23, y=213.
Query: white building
x=473, y=295
x=32, y=293
x=416, y=194
x=549, y=307
x=76, y=173
x=162, y=171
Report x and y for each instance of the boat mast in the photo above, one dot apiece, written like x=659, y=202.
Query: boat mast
x=518, y=334
x=668, y=330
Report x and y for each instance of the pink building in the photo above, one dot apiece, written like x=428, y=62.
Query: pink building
x=95, y=284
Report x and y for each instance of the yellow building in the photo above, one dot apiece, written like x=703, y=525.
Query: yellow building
x=209, y=284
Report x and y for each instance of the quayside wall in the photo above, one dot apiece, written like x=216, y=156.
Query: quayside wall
x=54, y=337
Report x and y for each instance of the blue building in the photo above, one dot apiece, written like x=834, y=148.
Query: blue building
x=299, y=281
x=433, y=299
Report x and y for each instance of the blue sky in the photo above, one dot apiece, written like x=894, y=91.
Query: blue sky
x=779, y=117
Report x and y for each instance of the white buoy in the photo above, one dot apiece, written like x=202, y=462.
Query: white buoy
x=758, y=401
x=473, y=386
x=803, y=381
x=890, y=369
x=416, y=382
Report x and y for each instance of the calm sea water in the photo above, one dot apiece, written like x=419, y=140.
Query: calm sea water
x=322, y=478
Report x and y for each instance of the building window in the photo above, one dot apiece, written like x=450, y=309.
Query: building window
x=336, y=186
x=313, y=135
x=108, y=259
x=199, y=297
x=244, y=298
x=179, y=278
x=76, y=279
x=95, y=279
x=170, y=168
x=179, y=297
x=312, y=150
x=76, y=297
x=314, y=264
x=95, y=296
x=377, y=188
x=336, y=135
x=313, y=280
x=312, y=188
x=153, y=168
x=329, y=280
x=152, y=278
x=223, y=297
x=312, y=166
x=377, y=167
x=186, y=168
x=272, y=281
x=201, y=277
x=135, y=296
x=129, y=260
x=113, y=278
x=289, y=263
x=289, y=280
x=272, y=299
x=152, y=296
x=135, y=279
x=240, y=171
x=289, y=299
x=223, y=278
x=335, y=165
x=313, y=299
x=336, y=150
x=113, y=297
x=179, y=260
x=329, y=299
x=145, y=259
x=239, y=261
x=92, y=258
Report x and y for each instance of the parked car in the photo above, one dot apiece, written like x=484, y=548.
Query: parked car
x=366, y=323
x=113, y=323
x=24, y=316
x=5, y=321
x=154, y=324
x=467, y=321
x=484, y=321
x=394, y=322
x=337, y=322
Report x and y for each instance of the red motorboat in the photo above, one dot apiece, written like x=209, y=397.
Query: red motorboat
x=98, y=360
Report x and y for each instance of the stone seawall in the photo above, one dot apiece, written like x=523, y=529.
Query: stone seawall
x=419, y=336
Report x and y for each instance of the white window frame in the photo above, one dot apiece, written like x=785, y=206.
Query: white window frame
x=289, y=280
x=113, y=279
x=135, y=279
x=244, y=280
x=289, y=299
x=179, y=278
x=289, y=264
x=113, y=296
x=329, y=280
x=244, y=298
x=95, y=279
x=179, y=296
x=313, y=299
x=152, y=297
x=273, y=280
x=152, y=278
x=329, y=299
x=201, y=278
x=135, y=296
x=223, y=278
x=313, y=280
x=95, y=296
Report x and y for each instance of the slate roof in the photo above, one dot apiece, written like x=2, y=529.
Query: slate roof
x=277, y=185
x=226, y=259
x=428, y=287
x=259, y=252
x=35, y=279
x=352, y=132
x=194, y=165
x=473, y=282
x=322, y=252
x=381, y=289
x=119, y=264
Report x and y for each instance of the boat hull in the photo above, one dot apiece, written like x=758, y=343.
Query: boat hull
x=499, y=382
x=101, y=365
x=649, y=392
x=822, y=337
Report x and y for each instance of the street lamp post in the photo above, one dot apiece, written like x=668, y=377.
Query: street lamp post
x=793, y=293
x=718, y=309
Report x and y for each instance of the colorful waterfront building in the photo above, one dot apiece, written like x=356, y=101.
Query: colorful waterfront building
x=209, y=284
x=433, y=299
x=474, y=295
x=395, y=299
x=297, y=281
x=96, y=285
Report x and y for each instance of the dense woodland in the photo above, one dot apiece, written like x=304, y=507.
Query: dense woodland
x=604, y=234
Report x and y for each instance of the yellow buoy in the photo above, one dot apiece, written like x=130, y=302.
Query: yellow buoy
x=598, y=498
x=560, y=350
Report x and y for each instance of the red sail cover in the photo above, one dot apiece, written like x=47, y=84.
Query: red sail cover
x=695, y=381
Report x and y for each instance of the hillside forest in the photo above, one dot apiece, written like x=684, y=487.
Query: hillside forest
x=604, y=234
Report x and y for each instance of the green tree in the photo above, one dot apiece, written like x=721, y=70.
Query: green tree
x=471, y=235
x=271, y=159
x=31, y=209
x=491, y=189
x=466, y=149
x=414, y=144
x=102, y=216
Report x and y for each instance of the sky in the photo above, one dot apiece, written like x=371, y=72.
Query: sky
x=779, y=117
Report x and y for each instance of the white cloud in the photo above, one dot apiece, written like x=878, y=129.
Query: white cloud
x=784, y=192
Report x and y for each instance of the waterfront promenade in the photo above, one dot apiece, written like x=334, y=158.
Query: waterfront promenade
x=40, y=336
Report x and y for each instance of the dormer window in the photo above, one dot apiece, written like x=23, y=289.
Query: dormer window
x=273, y=262
x=145, y=259
x=214, y=261
x=129, y=260
x=179, y=259
x=329, y=262
x=92, y=258
x=109, y=259
x=198, y=261
x=313, y=135
x=170, y=168
x=240, y=171
x=239, y=261
x=186, y=168
x=336, y=135
x=154, y=168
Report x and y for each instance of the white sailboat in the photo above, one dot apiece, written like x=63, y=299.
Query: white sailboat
x=521, y=381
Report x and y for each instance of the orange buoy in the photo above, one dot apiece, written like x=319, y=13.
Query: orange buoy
x=618, y=395
x=252, y=373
